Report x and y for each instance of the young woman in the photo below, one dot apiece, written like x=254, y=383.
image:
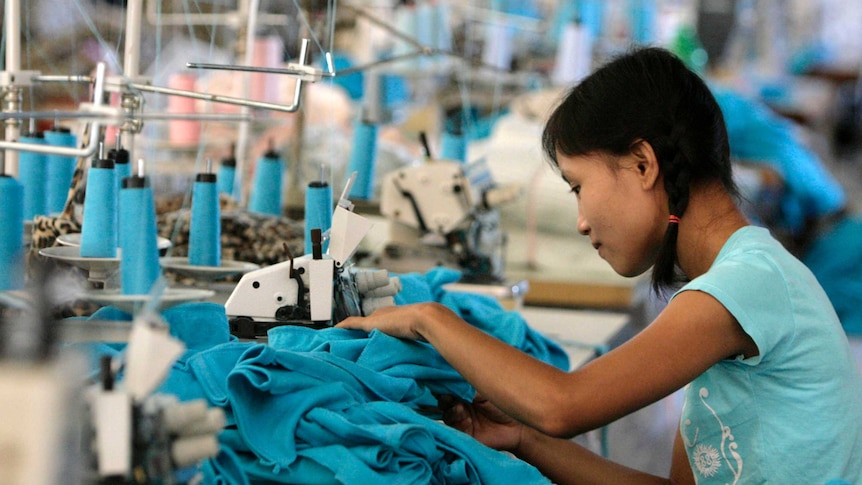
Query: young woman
x=771, y=390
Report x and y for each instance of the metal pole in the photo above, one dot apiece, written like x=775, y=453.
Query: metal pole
x=12, y=94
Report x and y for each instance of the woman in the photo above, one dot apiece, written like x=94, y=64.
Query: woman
x=751, y=336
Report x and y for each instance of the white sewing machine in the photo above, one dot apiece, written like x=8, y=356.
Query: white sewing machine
x=444, y=212
x=315, y=290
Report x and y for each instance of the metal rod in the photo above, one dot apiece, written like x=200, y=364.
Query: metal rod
x=93, y=141
x=132, y=53
x=268, y=70
x=64, y=79
x=58, y=115
x=12, y=26
x=216, y=98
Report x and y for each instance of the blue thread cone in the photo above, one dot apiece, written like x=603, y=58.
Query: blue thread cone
x=11, y=234
x=122, y=167
x=318, y=211
x=453, y=147
x=205, y=228
x=362, y=159
x=60, y=169
x=139, y=253
x=99, y=228
x=226, y=176
x=32, y=169
x=266, y=190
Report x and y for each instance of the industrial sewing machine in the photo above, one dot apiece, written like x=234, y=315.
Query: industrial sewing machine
x=64, y=428
x=444, y=212
x=316, y=290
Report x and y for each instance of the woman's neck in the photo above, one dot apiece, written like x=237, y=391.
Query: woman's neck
x=710, y=219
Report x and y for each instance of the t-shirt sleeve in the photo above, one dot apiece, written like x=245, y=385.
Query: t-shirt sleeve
x=754, y=292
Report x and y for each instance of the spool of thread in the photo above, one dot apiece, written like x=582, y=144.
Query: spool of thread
x=406, y=20
x=99, y=228
x=139, y=253
x=122, y=167
x=642, y=18
x=266, y=190
x=11, y=234
x=574, y=55
x=205, y=226
x=60, y=168
x=453, y=146
x=318, y=211
x=32, y=168
x=592, y=16
x=183, y=132
x=227, y=174
x=362, y=159
x=498, y=48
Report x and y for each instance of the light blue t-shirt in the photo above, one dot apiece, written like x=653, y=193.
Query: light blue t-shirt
x=793, y=413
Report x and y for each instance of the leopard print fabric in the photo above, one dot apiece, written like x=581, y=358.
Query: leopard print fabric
x=46, y=228
x=245, y=236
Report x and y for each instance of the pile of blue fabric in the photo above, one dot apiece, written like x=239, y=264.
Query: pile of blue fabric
x=342, y=406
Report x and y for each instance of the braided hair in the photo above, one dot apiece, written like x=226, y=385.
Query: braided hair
x=648, y=94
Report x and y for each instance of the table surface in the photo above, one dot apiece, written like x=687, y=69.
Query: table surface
x=583, y=334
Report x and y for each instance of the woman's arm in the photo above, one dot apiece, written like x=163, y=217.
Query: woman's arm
x=690, y=335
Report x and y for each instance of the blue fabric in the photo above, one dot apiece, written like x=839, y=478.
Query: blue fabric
x=342, y=406
x=758, y=135
x=745, y=417
x=835, y=258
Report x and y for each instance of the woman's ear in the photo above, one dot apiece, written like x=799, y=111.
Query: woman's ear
x=646, y=163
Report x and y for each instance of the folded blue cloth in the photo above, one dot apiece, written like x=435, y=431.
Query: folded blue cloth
x=363, y=427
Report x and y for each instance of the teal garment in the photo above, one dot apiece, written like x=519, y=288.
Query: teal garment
x=835, y=258
x=343, y=406
x=793, y=413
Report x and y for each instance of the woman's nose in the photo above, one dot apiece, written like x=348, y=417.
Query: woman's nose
x=583, y=225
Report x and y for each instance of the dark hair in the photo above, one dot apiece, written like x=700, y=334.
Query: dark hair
x=648, y=94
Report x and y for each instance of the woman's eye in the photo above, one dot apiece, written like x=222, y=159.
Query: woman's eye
x=576, y=189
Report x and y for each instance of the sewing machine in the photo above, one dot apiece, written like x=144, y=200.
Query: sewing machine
x=444, y=212
x=316, y=290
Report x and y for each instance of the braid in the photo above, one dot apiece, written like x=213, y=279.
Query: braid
x=677, y=184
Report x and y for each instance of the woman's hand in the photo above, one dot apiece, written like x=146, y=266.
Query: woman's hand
x=483, y=421
x=403, y=321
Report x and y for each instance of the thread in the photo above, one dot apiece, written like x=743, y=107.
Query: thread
x=592, y=16
x=99, y=227
x=183, y=132
x=642, y=18
x=205, y=226
x=406, y=20
x=266, y=190
x=227, y=173
x=574, y=55
x=60, y=168
x=498, y=48
x=453, y=146
x=32, y=168
x=122, y=167
x=318, y=211
x=11, y=234
x=139, y=253
x=362, y=159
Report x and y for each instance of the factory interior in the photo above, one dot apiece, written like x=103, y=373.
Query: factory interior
x=205, y=188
